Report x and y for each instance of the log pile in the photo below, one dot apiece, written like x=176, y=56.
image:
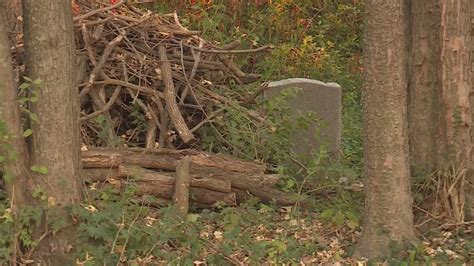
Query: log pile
x=212, y=178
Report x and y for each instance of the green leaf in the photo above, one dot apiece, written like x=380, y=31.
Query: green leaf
x=21, y=100
x=28, y=79
x=339, y=219
x=192, y=218
x=39, y=169
x=37, y=192
x=24, y=86
x=352, y=216
x=33, y=117
x=352, y=225
x=327, y=213
x=2, y=159
x=33, y=99
x=8, y=177
x=27, y=133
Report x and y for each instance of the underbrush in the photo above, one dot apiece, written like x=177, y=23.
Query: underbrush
x=115, y=227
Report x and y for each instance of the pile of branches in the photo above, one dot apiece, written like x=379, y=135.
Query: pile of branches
x=147, y=81
x=146, y=86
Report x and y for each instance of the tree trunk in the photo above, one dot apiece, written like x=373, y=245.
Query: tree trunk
x=15, y=169
x=457, y=96
x=427, y=133
x=388, y=216
x=55, y=143
x=470, y=178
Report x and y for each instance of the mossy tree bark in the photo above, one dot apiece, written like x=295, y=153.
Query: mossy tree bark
x=388, y=216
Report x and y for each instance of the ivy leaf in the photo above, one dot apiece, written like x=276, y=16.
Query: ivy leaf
x=37, y=82
x=21, y=100
x=39, y=169
x=33, y=117
x=33, y=99
x=27, y=133
x=24, y=86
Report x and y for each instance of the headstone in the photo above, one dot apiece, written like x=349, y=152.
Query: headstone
x=324, y=99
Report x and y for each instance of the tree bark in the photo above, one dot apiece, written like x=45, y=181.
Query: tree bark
x=169, y=179
x=470, y=178
x=388, y=215
x=55, y=144
x=166, y=159
x=14, y=145
x=50, y=57
x=457, y=95
x=426, y=131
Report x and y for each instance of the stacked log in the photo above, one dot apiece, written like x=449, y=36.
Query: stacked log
x=213, y=178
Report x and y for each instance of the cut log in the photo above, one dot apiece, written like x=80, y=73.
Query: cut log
x=162, y=186
x=181, y=188
x=269, y=194
x=162, y=202
x=139, y=173
x=202, y=195
x=213, y=173
x=242, y=174
x=99, y=174
x=266, y=194
x=166, y=159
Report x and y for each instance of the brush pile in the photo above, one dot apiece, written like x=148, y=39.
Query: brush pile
x=147, y=81
x=147, y=85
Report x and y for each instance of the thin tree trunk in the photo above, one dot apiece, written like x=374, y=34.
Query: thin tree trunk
x=457, y=94
x=15, y=169
x=427, y=133
x=388, y=216
x=470, y=178
x=55, y=143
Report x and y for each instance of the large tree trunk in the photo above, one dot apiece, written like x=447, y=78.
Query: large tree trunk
x=55, y=143
x=50, y=57
x=388, y=216
x=427, y=133
x=457, y=96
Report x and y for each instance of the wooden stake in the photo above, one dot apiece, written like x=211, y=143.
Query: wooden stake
x=181, y=190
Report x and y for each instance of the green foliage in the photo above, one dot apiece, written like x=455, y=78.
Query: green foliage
x=115, y=228
x=235, y=133
x=28, y=94
x=104, y=128
x=311, y=39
